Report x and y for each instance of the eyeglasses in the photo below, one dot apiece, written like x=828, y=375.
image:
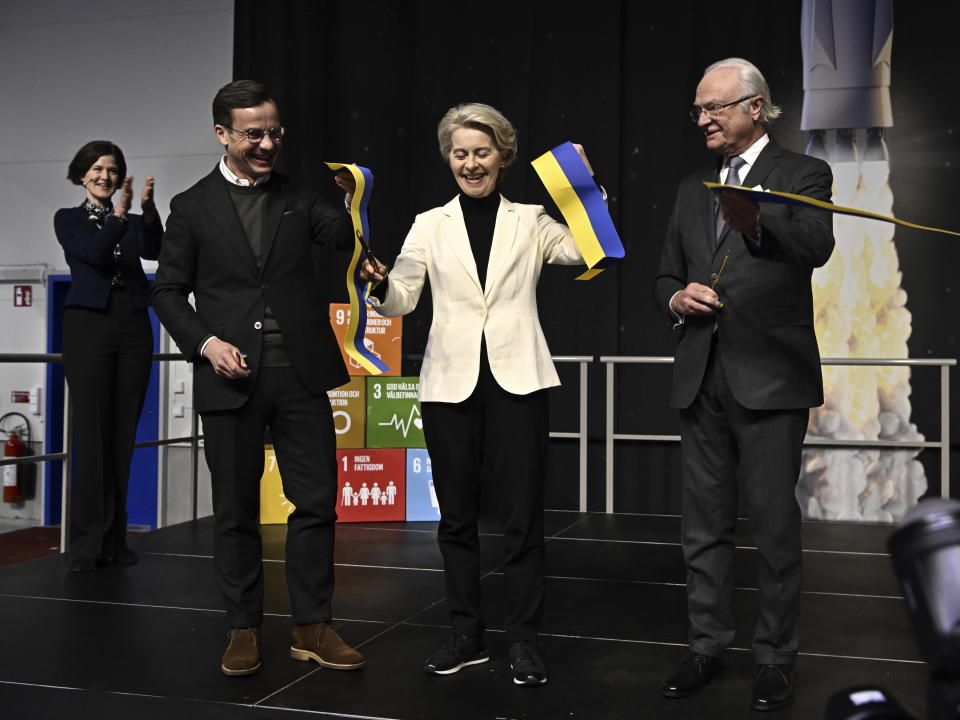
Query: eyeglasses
x=256, y=135
x=714, y=111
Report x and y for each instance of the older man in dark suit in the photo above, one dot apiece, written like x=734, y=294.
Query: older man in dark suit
x=241, y=240
x=746, y=372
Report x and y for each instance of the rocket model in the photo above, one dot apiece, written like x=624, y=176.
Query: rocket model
x=846, y=47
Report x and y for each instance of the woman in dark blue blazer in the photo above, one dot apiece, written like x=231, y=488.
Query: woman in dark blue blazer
x=107, y=345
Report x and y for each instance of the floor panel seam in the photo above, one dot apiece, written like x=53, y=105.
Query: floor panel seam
x=198, y=701
x=663, y=643
x=328, y=713
x=359, y=645
x=568, y=527
x=672, y=543
x=495, y=572
x=557, y=536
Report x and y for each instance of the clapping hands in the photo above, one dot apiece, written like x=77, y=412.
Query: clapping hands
x=122, y=206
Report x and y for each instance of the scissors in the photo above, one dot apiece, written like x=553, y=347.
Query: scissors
x=367, y=251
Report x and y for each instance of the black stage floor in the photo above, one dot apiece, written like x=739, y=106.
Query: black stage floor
x=145, y=642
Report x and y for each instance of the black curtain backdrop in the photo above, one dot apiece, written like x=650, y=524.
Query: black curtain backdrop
x=366, y=81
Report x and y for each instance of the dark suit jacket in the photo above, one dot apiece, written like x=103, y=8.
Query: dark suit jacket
x=206, y=252
x=765, y=334
x=89, y=253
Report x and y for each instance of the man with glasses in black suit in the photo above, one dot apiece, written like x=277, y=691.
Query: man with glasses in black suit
x=734, y=279
x=241, y=241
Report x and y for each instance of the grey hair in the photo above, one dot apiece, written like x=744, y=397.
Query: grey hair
x=479, y=117
x=752, y=83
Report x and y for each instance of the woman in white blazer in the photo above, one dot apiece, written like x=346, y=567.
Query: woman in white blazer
x=484, y=379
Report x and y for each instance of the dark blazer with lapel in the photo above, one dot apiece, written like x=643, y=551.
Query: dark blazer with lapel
x=206, y=252
x=765, y=332
x=89, y=253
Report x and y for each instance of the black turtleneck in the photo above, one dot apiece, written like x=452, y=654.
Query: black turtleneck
x=480, y=217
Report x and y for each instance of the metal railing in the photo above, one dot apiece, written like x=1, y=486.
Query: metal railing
x=194, y=438
x=611, y=436
x=581, y=434
x=64, y=455
x=611, y=361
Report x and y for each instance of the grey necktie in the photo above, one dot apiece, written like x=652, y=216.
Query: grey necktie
x=733, y=178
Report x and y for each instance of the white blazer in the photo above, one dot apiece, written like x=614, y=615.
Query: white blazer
x=504, y=312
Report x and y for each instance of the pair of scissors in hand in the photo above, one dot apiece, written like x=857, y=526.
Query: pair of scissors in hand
x=369, y=253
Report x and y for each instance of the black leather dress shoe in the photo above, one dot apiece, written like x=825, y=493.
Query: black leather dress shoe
x=773, y=688
x=124, y=556
x=82, y=565
x=694, y=673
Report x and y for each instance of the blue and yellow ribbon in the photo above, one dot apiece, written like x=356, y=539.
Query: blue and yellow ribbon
x=358, y=289
x=784, y=198
x=573, y=189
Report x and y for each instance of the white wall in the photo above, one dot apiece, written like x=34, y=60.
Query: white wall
x=139, y=73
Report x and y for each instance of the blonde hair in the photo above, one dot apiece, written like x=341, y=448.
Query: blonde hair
x=479, y=117
x=752, y=83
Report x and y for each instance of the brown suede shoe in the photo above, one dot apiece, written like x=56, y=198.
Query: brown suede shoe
x=242, y=656
x=320, y=642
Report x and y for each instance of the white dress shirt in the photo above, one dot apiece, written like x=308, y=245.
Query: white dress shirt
x=749, y=158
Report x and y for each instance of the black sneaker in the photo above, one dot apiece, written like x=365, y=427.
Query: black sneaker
x=455, y=654
x=528, y=668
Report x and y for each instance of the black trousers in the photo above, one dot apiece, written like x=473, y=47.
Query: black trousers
x=106, y=360
x=509, y=432
x=721, y=439
x=301, y=426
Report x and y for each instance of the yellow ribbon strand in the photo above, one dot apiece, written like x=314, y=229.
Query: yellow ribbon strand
x=792, y=199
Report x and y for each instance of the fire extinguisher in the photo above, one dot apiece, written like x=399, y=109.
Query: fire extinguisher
x=11, y=473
